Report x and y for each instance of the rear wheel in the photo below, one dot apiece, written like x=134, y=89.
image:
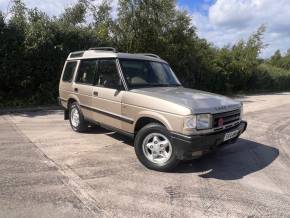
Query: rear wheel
x=154, y=148
x=76, y=118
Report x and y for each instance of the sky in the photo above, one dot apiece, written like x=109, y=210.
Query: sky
x=221, y=22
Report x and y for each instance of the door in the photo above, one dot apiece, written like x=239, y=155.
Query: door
x=65, y=84
x=107, y=94
x=83, y=86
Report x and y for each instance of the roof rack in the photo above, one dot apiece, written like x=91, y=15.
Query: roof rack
x=149, y=54
x=104, y=49
x=76, y=54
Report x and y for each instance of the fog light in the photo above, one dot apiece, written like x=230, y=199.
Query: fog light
x=196, y=154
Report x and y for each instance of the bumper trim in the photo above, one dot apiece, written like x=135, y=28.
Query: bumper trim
x=188, y=144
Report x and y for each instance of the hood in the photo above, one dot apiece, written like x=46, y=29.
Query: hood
x=197, y=101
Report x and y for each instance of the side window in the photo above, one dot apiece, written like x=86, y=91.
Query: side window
x=136, y=72
x=87, y=71
x=69, y=71
x=108, y=75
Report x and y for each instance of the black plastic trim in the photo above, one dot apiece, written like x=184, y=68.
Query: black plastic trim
x=124, y=119
x=187, y=144
x=111, y=128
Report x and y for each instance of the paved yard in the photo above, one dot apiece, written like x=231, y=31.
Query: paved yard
x=47, y=170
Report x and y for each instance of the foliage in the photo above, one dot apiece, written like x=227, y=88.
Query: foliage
x=268, y=77
x=280, y=61
x=34, y=47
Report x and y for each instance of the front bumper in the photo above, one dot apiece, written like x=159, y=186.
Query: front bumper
x=188, y=147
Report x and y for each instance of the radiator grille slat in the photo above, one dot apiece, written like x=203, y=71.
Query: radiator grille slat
x=228, y=117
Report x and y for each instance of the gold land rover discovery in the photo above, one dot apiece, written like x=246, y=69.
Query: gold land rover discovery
x=140, y=96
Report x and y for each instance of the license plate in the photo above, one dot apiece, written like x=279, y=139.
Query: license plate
x=231, y=135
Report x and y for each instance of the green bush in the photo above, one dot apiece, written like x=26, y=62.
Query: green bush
x=271, y=78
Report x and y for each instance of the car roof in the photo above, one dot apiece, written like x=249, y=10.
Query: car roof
x=92, y=54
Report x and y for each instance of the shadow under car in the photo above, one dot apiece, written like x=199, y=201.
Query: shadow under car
x=233, y=161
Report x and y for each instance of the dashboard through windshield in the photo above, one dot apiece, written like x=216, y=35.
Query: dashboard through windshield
x=145, y=73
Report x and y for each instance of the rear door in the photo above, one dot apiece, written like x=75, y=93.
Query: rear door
x=65, y=84
x=83, y=86
x=107, y=94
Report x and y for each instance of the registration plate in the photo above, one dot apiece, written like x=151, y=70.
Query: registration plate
x=231, y=135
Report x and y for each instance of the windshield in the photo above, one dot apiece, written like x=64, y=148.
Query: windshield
x=143, y=73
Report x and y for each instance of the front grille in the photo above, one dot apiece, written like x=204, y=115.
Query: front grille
x=228, y=117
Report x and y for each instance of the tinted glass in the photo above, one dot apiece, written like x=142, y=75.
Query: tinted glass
x=143, y=73
x=86, y=72
x=69, y=71
x=108, y=74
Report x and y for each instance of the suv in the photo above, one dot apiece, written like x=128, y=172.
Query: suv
x=140, y=96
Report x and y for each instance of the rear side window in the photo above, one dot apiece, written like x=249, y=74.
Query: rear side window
x=69, y=71
x=87, y=71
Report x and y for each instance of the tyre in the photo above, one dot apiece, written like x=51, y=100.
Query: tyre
x=76, y=118
x=154, y=148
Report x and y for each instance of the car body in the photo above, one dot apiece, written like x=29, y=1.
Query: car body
x=140, y=96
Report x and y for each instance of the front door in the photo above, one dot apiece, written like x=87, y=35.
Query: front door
x=107, y=94
x=83, y=86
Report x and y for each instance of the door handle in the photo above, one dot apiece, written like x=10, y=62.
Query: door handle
x=95, y=93
x=76, y=89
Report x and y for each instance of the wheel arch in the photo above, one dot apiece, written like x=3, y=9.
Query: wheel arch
x=146, y=118
x=71, y=99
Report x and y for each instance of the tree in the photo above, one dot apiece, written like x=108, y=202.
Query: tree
x=285, y=62
x=103, y=22
x=142, y=23
x=34, y=47
x=75, y=14
x=276, y=59
x=240, y=61
x=18, y=14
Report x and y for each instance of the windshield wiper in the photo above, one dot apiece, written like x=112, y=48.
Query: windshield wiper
x=165, y=85
x=136, y=86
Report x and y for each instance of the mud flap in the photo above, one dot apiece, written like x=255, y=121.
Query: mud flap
x=66, y=115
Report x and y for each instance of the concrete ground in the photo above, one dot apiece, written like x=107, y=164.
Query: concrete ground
x=47, y=170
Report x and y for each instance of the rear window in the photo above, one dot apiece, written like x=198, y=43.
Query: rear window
x=69, y=71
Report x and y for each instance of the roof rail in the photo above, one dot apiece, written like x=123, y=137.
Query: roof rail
x=76, y=54
x=104, y=49
x=149, y=54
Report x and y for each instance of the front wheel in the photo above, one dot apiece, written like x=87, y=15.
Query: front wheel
x=76, y=118
x=154, y=148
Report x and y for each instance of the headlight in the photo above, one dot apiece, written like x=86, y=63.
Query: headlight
x=190, y=122
x=203, y=121
x=200, y=121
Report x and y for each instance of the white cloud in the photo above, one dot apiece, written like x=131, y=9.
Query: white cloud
x=231, y=20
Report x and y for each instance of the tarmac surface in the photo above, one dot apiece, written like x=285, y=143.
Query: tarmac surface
x=47, y=170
